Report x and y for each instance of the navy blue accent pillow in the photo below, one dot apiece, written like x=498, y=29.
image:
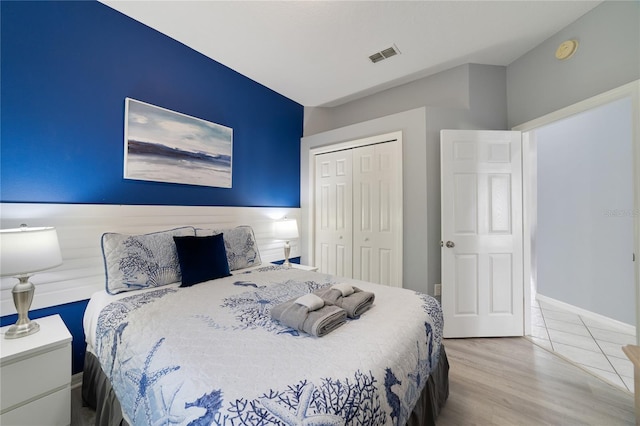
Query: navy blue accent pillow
x=201, y=259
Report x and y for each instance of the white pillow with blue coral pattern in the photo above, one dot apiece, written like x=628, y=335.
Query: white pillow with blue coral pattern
x=240, y=244
x=133, y=262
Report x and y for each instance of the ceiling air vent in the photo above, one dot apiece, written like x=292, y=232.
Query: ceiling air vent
x=376, y=57
x=384, y=54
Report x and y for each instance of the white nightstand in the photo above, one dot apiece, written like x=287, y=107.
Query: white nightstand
x=304, y=267
x=35, y=376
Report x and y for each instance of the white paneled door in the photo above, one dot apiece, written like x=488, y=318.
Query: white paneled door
x=358, y=212
x=482, y=253
x=377, y=227
x=333, y=213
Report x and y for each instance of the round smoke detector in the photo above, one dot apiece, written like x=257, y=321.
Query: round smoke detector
x=566, y=49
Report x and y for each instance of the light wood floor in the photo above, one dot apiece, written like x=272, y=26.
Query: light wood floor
x=508, y=381
x=511, y=381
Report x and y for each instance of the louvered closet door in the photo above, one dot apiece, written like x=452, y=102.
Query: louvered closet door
x=333, y=213
x=377, y=206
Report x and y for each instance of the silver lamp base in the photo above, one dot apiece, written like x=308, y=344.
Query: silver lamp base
x=287, y=252
x=16, y=331
x=22, y=297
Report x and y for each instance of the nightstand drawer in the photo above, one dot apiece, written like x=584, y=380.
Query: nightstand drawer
x=53, y=409
x=27, y=379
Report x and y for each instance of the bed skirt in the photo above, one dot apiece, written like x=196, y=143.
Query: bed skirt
x=98, y=394
x=433, y=396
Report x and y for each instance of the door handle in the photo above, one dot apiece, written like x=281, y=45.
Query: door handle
x=450, y=244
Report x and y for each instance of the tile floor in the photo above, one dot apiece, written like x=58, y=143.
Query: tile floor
x=592, y=345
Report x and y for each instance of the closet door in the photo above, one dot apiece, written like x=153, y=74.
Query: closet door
x=333, y=213
x=377, y=207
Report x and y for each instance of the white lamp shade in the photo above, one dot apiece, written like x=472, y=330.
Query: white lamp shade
x=286, y=229
x=26, y=250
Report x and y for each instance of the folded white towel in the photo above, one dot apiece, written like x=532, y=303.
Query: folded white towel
x=343, y=288
x=311, y=301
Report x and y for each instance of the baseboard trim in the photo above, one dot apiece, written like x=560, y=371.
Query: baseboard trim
x=626, y=328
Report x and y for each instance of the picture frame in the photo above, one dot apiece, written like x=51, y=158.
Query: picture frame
x=161, y=145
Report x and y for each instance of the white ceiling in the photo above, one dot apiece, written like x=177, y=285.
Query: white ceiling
x=316, y=52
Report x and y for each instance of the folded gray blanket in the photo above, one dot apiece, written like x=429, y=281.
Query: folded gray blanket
x=317, y=322
x=355, y=303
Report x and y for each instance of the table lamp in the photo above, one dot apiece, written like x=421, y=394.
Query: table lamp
x=24, y=251
x=286, y=229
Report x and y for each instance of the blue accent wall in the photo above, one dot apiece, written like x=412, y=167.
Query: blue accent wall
x=292, y=260
x=66, y=69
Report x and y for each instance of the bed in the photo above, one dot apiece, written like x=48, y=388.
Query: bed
x=210, y=353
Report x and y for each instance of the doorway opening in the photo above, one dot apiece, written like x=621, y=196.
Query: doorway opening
x=579, y=214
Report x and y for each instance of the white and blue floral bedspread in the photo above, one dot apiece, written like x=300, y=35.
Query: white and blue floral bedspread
x=211, y=355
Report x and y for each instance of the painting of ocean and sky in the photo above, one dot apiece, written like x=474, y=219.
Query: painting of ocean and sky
x=166, y=146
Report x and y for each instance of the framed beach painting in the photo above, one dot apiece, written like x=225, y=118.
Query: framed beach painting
x=166, y=146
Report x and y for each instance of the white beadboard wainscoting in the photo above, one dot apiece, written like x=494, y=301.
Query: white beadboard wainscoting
x=80, y=227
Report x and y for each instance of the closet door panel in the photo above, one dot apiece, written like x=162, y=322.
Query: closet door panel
x=377, y=229
x=334, y=213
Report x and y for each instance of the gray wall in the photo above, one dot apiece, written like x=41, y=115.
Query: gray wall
x=608, y=56
x=478, y=88
x=448, y=88
x=467, y=97
x=585, y=211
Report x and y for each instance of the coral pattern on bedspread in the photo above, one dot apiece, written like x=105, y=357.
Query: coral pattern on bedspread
x=211, y=355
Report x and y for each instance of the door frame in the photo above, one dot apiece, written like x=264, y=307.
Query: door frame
x=339, y=146
x=631, y=90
